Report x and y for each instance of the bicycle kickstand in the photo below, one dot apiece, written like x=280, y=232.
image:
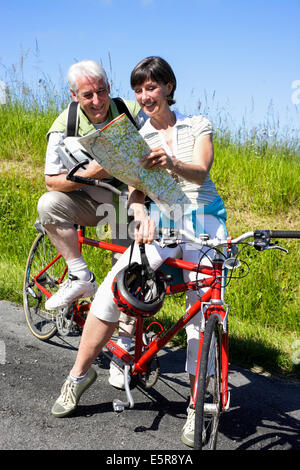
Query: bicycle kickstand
x=119, y=405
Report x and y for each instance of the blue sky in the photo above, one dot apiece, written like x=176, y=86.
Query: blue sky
x=240, y=58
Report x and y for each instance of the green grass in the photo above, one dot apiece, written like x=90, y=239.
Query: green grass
x=260, y=185
x=264, y=182
x=28, y=129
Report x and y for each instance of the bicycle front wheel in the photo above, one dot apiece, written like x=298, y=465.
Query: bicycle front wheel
x=40, y=321
x=208, y=400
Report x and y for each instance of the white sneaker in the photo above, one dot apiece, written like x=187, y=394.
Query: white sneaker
x=71, y=393
x=116, y=376
x=70, y=290
x=188, y=430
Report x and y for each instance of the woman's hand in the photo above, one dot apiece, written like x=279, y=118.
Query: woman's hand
x=158, y=158
x=195, y=172
x=144, y=231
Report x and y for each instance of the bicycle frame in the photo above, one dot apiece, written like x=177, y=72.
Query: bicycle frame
x=211, y=302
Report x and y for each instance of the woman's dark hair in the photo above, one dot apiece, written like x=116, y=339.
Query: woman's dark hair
x=157, y=69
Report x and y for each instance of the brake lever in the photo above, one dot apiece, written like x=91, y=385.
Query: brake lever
x=277, y=247
x=262, y=245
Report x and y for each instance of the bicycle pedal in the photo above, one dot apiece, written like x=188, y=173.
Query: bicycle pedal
x=118, y=405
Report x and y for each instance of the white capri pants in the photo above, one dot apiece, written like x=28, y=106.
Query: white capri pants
x=104, y=307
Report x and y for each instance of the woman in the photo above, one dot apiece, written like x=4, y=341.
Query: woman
x=184, y=147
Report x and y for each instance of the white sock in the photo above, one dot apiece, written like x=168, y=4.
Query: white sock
x=124, y=342
x=79, y=268
x=77, y=380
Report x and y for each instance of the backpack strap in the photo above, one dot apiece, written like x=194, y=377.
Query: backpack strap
x=72, y=120
x=73, y=116
x=122, y=108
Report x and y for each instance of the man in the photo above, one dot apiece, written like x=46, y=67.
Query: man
x=67, y=203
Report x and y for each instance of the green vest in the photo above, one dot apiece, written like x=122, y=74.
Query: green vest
x=84, y=125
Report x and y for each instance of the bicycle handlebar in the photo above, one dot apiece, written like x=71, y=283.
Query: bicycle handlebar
x=89, y=181
x=261, y=238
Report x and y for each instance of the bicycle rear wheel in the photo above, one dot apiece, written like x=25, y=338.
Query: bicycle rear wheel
x=208, y=400
x=40, y=321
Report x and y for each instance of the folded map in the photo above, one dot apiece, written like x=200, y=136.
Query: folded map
x=118, y=148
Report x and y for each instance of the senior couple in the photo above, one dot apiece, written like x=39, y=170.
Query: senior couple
x=180, y=144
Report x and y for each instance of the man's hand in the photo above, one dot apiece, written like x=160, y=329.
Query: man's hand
x=94, y=170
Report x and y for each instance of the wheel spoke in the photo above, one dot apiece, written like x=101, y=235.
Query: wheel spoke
x=41, y=322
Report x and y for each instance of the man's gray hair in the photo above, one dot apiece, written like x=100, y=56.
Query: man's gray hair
x=85, y=68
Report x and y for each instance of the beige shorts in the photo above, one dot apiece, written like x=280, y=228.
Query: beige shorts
x=67, y=209
x=76, y=207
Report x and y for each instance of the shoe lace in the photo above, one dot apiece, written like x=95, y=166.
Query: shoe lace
x=67, y=284
x=68, y=393
x=190, y=422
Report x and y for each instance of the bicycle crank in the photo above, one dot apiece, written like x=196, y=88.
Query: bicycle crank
x=150, y=377
x=64, y=320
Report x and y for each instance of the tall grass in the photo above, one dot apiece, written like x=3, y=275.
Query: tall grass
x=259, y=181
x=263, y=180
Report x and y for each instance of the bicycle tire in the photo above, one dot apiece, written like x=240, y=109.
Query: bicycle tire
x=40, y=321
x=209, y=395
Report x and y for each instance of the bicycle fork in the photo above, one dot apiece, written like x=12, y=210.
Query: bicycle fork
x=216, y=306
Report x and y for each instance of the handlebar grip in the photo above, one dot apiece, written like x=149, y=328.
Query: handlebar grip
x=83, y=180
x=278, y=233
x=284, y=233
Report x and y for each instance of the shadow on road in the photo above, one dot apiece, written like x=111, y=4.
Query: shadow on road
x=262, y=413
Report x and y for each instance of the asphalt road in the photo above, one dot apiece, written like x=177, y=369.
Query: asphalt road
x=264, y=412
